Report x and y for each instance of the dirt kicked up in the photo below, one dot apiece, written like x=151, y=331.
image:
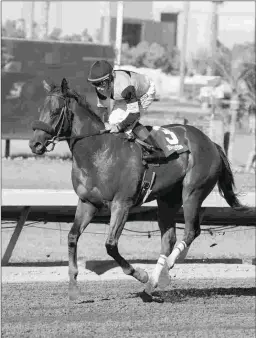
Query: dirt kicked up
x=191, y=308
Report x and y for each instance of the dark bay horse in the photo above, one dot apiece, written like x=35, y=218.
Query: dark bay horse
x=107, y=171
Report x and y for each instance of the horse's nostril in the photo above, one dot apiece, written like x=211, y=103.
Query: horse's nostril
x=38, y=145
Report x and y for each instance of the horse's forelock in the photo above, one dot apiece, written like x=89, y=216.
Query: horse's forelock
x=51, y=101
x=55, y=89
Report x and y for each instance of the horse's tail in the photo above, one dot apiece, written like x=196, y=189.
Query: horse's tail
x=226, y=183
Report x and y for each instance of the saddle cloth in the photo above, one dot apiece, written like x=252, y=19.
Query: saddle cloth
x=162, y=138
x=168, y=141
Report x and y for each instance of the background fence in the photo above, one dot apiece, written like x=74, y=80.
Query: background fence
x=59, y=206
x=35, y=61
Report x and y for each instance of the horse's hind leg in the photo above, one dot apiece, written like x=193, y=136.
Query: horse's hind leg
x=193, y=197
x=83, y=216
x=168, y=206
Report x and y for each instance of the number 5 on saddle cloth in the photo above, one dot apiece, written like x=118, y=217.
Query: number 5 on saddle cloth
x=158, y=137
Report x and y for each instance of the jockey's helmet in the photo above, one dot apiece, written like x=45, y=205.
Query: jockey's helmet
x=100, y=71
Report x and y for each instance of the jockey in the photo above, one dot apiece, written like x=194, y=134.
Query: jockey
x=132, y=94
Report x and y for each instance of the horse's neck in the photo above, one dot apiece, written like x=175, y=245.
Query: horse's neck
x=85, y=121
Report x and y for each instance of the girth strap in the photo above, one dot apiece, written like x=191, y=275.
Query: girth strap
x=43, y=126
x=147, y=183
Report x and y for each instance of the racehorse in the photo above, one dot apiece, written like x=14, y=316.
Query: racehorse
x=107, y=170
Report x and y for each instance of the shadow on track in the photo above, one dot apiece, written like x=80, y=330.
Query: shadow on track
x=181, y=295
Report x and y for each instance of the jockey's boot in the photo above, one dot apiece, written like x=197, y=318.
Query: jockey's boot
x=155, y=157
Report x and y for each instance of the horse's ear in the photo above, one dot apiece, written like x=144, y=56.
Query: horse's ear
x=64, y=86
x=47, y=87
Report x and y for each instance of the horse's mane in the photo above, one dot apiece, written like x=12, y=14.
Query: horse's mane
x=80, y=99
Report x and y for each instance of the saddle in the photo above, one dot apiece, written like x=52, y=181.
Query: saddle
x=146, y=148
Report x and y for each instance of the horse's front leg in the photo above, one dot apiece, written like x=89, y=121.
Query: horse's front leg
x=119, y=214
x=84, y=214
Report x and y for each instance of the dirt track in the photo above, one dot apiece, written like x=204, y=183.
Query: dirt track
x=191, y=308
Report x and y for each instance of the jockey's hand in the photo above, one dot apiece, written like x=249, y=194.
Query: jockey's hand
x=107, y=126
x=114, y=128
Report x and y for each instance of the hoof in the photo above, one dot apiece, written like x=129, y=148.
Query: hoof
x=150, y=286
x=141, y=275
x=164, y=279
x=73, y=293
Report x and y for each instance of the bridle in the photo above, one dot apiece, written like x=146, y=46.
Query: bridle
x=55, y=132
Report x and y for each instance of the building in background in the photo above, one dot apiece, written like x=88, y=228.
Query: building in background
x=139, y=24
x=236, y=19
x=236, y=22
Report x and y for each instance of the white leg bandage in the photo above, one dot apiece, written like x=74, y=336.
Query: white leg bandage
x=175, y=254
x=159, y=267
x=153, y=280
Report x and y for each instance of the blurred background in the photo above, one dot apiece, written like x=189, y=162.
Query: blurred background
x=201, y=56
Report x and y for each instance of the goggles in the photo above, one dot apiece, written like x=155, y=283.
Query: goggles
x=100, y=83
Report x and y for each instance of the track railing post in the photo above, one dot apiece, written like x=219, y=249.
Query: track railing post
x=21, y=221
x=7, y=148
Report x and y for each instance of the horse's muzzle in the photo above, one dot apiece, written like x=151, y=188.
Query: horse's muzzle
x=37, y=147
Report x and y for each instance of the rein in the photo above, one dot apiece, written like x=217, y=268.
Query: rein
x=40, y=125
x=57, y=139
